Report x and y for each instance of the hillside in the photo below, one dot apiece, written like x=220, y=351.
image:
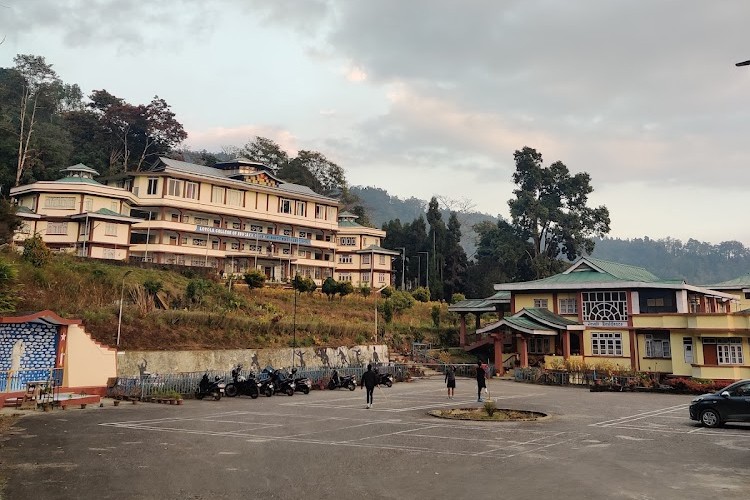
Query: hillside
x=204, y=313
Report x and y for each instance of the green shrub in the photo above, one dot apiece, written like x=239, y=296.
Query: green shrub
x=386, y=292
x=8, y=288
x=35, y=251
x=364, y=291
x=421, y=294
x=435, y=313
x=344, y=288
x=401, y=301
x=457, y=297
x=330, y=287
x=490, y=407
x=255, y=279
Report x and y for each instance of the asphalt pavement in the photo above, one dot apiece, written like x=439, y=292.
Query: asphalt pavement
x=328, y=445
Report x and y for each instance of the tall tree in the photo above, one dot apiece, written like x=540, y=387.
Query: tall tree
x=437, y=240
x=550, y=208
x=456, y=263
x=39, y=80
x=9, y=221
x=265, y=151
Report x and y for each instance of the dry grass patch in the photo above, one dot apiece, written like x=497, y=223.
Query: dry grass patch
x=481, y=414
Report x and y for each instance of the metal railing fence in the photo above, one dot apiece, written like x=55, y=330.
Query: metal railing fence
x=16, y=380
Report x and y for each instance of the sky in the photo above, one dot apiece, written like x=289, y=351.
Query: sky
x=432, y=97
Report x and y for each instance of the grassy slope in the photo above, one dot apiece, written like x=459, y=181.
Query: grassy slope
x=89, y=290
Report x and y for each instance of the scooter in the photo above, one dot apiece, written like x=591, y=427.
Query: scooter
x=265, y=383
x=337, y=382
x=282, y=383
x=242, y=386
x=301, y=384
x=210, y=388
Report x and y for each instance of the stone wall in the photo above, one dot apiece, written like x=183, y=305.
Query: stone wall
x=131, y=363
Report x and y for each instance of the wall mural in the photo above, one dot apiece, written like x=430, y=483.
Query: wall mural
x=132, y=363
x=27, y=351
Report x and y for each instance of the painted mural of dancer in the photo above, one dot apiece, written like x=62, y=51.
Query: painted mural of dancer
x=301, y=356
x=322, y=355
x=342, y=357
x=375, y=357
x=254, y=363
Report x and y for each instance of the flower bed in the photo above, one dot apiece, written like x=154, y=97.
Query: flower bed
x=481, y=414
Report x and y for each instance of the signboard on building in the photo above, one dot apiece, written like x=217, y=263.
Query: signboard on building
x=618, y=324
x=251, y=235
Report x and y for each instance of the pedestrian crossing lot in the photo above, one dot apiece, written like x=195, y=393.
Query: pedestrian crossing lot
x=399, y=421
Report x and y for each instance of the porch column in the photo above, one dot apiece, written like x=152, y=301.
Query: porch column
x=462, y=330
x=566, y=344
x=478, y=315
x=633, y=351
x=498, y=344
x=524, y=350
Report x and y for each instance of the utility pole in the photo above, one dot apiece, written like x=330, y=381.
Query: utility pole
x=427, y=268
x=403, y=267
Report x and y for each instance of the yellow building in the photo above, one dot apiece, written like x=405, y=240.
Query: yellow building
x=604, y=313
x=360, y=258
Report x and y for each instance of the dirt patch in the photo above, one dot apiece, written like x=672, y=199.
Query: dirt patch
x=6, y=422
x=480, y=414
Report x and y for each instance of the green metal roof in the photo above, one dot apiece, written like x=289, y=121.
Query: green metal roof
x=525, y=323
x=377, y=249
x=20, y=209
x=736, y=283
x=105, y=211
x=547, y=316
x=624, y=272
x=349, y=223
x=84, y=180
x=472, y=305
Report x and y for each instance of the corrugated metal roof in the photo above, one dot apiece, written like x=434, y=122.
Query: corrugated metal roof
x=378, y=249
x=82, y=180
x=624, y=272
x=735, y=283
x=349, y=223
x=545, y=315
x=526, y=323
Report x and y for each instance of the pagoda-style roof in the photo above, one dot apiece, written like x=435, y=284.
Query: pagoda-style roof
x=534, y=321
x=488, y=304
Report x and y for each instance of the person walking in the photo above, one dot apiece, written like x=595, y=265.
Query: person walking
x=450, y=379
x=369, y=381
x=481, y=383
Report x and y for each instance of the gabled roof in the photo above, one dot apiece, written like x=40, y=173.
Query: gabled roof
x=534, y=321
x=624, y=272
x=105, y=213
x=377, y=249
x=546, y=317
x=481, y=305
x=80, y=167
x=733, y=284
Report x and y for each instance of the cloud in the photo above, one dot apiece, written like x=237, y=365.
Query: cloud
x=216, y=138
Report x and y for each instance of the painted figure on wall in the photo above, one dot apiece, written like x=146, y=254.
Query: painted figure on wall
x=19, y=349
x=301, y=356
x=342, y=357
x=322, y=355
x=375, y=357
x=358, y=354
x=254, y=363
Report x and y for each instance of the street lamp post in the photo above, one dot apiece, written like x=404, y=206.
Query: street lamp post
x=295, y=284
x=122, y=296
x=403, y=267
x=427, y=269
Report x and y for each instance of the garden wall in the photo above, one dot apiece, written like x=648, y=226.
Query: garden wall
x=132, y=363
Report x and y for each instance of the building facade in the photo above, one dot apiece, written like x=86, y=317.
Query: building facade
x=600, y=312
x=233, y=217
x=360, y=258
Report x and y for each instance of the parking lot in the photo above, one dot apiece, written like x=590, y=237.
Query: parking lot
x=593, y=445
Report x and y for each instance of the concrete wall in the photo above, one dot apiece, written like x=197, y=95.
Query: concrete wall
x=87, y=363
x=130, y=363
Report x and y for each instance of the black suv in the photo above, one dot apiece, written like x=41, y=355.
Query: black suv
x=731, y=404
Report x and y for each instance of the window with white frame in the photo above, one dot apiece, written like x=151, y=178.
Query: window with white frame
x=539, y=345
x=174, y=187
x=605, y=306
x=64, y=202
x=345, y=259
x=365, y=259
x=57, y=228
x=201, y=221
x=191, y=190
x=153, y=184
x=542, y=303
x=345, y=277
x=110, y=229
x=606, y=344
x=657, y=345
x=217, y=194
x=381, y=277
x=366, y=277
x=234, y=198
x=728, y=350
x=300, y=208
x=320, y=211
x=285, y=206
x=347, y=241
x=568, y=306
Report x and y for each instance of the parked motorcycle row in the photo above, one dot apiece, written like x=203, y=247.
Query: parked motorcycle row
x=271, y=381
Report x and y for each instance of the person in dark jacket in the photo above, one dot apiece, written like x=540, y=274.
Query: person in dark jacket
x=369, y=381
x=481, y=384
x=450, y=379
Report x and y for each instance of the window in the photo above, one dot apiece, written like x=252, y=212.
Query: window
x=728, y=351
x=217, y=195
x=285, y=206
x=655, y=302
x=173, y=240
x=235, y=246
x=300, y=208
x=605, y=306
x=381, y=259
x=234, y=198
x=303, y=234
x=687, y=347
x=747, y=295
x=153, y=183
x=657, y=345
x=381, y=278
x=174, y=187
x=287, y=232
x=113, y=206
x=256, y=229
x=347, y=241
x=236, y=225
x=365, y=259
x=568, y=306
x=366, y=277
x=65, y=202
x=730, y=354
x=539, y=345
x=606, y=344
x=345, y=277
x=320, y=211
x=364, y=241
x=540, y=303
x=110, y=229
x=57, y=228
x=89, y=205
x=345, y=259
x=201, y=221
x=108, y=253
x=191, y=190
x=199, y=242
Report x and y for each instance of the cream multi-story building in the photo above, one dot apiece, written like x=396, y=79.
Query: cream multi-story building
x=233, y=217
x=360, y=257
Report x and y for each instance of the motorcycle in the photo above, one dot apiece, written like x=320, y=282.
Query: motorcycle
x=337, y=382
x=282, y=383
x=385, y=379
x=242, y=386
x=210, y=388
x=301, y=384
x=265, y=383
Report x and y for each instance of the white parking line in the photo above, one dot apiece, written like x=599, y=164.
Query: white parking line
x=638, y=416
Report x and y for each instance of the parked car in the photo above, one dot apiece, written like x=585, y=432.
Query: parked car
x=731, y=404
